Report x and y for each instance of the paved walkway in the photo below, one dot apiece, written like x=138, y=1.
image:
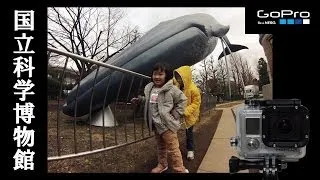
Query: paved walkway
x=219, y=152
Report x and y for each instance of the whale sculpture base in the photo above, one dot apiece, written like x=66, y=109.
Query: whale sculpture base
x=106, y=116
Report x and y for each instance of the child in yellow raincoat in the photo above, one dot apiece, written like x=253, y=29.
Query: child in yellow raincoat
x=183, y=79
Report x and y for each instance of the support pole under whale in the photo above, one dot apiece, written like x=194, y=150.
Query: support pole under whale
x=104, y=118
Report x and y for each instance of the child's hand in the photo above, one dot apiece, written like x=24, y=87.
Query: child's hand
x=135, y=101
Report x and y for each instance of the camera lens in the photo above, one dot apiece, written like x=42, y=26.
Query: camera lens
x=285, y=126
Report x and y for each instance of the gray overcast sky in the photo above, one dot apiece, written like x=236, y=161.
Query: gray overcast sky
x=147, y=18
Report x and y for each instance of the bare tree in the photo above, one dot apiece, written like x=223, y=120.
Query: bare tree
x=207, y=73
x=203, y=75
x=235, y=69
x=96, y=33
x=249, y=78
x=242, y=73
x=222, y=76
x=195, y=76
x=246, y=72
x=213, y=76
x=212, y=82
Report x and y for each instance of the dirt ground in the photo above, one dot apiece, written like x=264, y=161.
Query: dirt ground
x=137, y=157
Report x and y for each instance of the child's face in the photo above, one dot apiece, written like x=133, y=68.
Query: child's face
x=179, y=79
x=158, y=77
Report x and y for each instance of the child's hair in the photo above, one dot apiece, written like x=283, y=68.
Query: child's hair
x=164, y=67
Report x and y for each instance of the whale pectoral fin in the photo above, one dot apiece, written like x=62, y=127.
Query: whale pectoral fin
x=233, y=48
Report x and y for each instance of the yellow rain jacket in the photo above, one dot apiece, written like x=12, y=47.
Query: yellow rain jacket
x=192, y=92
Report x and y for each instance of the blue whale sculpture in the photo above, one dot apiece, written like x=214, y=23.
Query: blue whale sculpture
x=185, y=40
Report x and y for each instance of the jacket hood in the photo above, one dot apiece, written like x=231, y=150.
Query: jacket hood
x=165, y=87
x=186, y=75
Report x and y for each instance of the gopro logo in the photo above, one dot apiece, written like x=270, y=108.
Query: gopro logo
x=283, y=14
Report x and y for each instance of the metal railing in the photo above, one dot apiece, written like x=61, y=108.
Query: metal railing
x=208, y=102
x=125, y=115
